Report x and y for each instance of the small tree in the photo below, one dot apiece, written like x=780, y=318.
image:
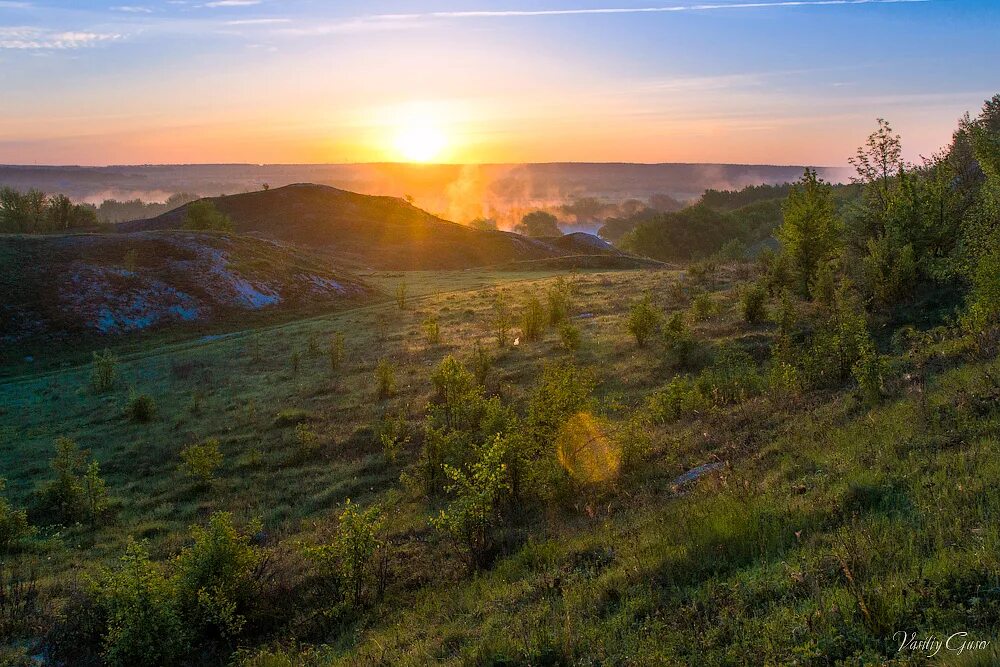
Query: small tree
x=104, y=372
x=569, y=336
x=538, y=223
x=201, y=460
x=385, y=379
x=559, y=301
x=358, y=540
x=644, y=320
x=810, y=233
x=336, y=352
x=482, y=362
x=202, y=215
x=14, y=525
x=401, y=294
x=753, y=302
x=469, y=519
x=532, y=320
x=501, y=320
x=432, y=331
x=140, y=408
x=306, y=441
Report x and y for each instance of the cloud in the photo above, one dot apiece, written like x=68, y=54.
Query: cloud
x=634, y=10
x=232, y=3
x=132, y=9
x=258, y=21
x=7, y=4
x=34, y=39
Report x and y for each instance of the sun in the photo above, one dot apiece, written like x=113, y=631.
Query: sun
x=420, y=142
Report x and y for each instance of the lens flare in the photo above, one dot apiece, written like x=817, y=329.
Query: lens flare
x=585, y=450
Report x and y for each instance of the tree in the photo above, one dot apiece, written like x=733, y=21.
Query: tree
x=810, y=233
x=202, y=215
x=484, y=224
x=877, y=163
x=538, y=223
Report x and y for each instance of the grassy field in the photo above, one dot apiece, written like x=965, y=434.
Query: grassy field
x=825, y=525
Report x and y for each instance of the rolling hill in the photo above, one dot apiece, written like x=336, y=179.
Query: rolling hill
x=96, y=284
x=378, y=232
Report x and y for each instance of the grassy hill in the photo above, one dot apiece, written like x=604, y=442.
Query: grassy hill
x=378, y=232
x=93, y=285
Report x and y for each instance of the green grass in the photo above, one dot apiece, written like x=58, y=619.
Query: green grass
x=829, y=527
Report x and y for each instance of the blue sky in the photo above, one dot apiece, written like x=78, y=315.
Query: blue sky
x=519, y=80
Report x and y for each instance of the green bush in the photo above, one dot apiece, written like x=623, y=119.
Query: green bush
x=432, y=331
x=783, y=381
x=869, y=372
x=144, y=625
x=401, y=294
x=356, y=556
x=501, y=320
x=482, y=362
x=533, y=320
x=140, y=408
x=202, y=215
x=14, y=526
x=644, y=320
x=682, y=397
x=703, y=307
x=569, y=336
x=104, y=371
x=201, y=460
x=336, y=351
x=77, y=492
x=732, y=377
x=392, y=433
x=292, y=417
x=890, y=272
x=385, y=379
x=472, y=515
x=218, y=578
x=558, y=301
x=306, y=441
x=753, y=303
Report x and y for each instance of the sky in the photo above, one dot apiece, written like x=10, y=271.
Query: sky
x=312, y=81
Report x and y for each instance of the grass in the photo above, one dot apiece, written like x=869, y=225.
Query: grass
x=829, y=526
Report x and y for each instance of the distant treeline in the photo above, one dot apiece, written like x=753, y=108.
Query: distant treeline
x=35, y=212
x=114, y=210
x=719, y=218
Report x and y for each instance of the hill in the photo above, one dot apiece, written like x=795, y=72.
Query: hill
x=379, y=232
x=94, y=284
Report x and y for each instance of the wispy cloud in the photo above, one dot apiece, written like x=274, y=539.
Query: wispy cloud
x=34, y=39
x=274, y=21
x=635, y=10
x=132, y=9
x=7, y=4
x=232, y=3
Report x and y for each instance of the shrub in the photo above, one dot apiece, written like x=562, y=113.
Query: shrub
x=680, y=398
x=77, y=492
x=532, y=320
x=559, y=301
x=753, y=303
x=336, y=351
x=501, y=320
x=104, y=372
x=432, y=331
x=140, y=408
x=482, y=362
x=292, y=417
x=385, y=379
x=783, y=380
x=569, y=336
x=353, y=555
x=202, y=215
x=218, y=578
x=14, y=525
x=401, y=294
x=306, y=441
x=644, y=320
x=144, y=625
x=869, y=372
x=471, y=516
x=732, y=377
x=392, y=433
x=201, y=460
x=734, y=250
x=296, y=360
x=823, y=287
x=890, y=272
x=680, y=342
x=703, y=307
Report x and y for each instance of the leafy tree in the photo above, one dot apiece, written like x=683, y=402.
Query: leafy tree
x=558, y=296
x=501, y=320
x=538, y=223
x=811, y=231
x=202, y=215
x=385, y=379
x=77, y=492
x=14, y=525
x=753, y=303
x=470, y=518
x=144, y=621
x=357, y=543
x=533, y=320
x=105, y=371
x=201, y=460
x=644, y=319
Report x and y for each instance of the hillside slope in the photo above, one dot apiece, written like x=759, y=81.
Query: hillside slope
x=380, y=232
x=120, y=283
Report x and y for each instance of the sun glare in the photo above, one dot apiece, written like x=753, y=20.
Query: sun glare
x=419, y=143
